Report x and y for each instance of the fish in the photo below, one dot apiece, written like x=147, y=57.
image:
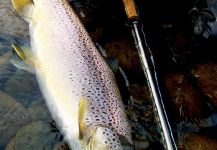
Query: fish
x=78, y=86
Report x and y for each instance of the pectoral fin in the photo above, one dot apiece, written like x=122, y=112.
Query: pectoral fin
x=19, y=51
x=23, y=59
x=24, y=8
x=81, y=114
x=22, y=65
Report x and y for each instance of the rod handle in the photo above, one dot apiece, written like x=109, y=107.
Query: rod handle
x=130, y=9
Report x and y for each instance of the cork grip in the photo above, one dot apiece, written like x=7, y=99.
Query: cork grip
x=130, y=9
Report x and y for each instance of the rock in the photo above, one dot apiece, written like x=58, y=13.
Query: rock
x=13, y=117
x=10, y=146
x=141, y=145
x=141, y=116
x=186, y=102
x=11, y=23
x=125, y=51
x=206, y=76
x=142, y=103
x=6, y=69
x=140, y=92
x=35, y=136
x=86, y=12
x=24, y=87
x=197, y=142
x=5, y=58
x=61, y=146
x=39, y=111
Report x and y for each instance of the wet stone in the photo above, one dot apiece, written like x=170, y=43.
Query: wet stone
x=142, y=117
x=13, y=117
x=11, y=23
x=39, y=111
x=6, y=69
x=196, y=142
x=10, y=146
x=61, y=146
x=140, y=92
x=185, y=101
x=24, y=87
x=35, y=136
x=141, y=145
x=4, y=58
x=206, y=76
x=125, y=51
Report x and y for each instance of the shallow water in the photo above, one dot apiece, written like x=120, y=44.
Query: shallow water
x=25, y=122
x=21, y=102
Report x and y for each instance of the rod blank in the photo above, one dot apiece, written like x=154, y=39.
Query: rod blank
x=131, y=12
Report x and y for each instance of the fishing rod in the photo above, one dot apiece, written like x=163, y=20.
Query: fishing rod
x=148, y=67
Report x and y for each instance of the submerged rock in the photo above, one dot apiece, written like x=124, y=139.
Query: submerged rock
x=197, y=142
x=185, y=101
x=141, y=145
x=11, y=145
x=4, y=58
x=125, y=51
x=140, y=92
x=61, y=146
x=11, y=23
x=142, y=117
x=39, y=111
x=13, y=117
x=36, y=136
x=24, y=87
x=6, y=69
x=206, y=76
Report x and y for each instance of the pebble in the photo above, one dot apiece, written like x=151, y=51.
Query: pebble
x=24, y=87
x=141, y=145
x=185, y=101
x=11, y=23
x=37, y=135
x=61, y=146
x=206, y=76
x=6, y=69
x=13, y=117
x=39, y=111
x=125, y=51
x=197, y=142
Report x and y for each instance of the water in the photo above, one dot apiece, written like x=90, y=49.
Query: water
x=26, y=123
x=23, y=111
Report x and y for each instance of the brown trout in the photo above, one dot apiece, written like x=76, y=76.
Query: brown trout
x=78, y=86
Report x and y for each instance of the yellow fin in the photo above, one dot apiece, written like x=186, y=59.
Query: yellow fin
x=23, y=59
x=19, y=51
x=81, y=113
x=24, y=8
x=25, y=54
x=92, y=142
